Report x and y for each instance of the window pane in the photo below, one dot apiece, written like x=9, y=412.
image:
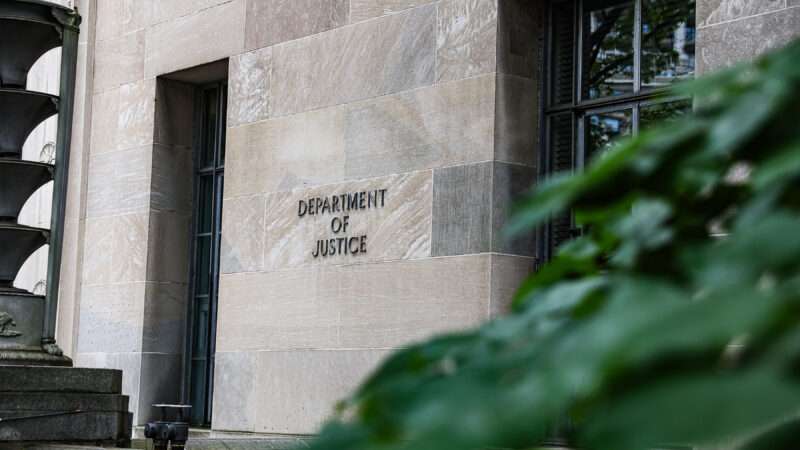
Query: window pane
x=562, y=78
x=210, y=128
x=198, y=384
x=203, y=265
x=604, y=128
x=223, y=130
x=663, y=112
x=205, y=198
x=201, y=312
x=608, y=29
x=668, y=32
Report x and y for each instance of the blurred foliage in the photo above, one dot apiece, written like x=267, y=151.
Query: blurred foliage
x=672, y=320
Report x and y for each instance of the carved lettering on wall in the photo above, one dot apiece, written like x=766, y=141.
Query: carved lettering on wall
x=340, y=207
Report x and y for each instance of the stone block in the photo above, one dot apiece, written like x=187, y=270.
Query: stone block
x=235, y=385
x=160, y=11
x=471, y=205
x=118, y=61
x=111, y=318
x=299, y=390
x=442, y=125
x=249, y=86
x=509, y=182
x=521, y=29
x=517, y=120
x=130, y=365
x=243, y=234
x=285, y=153
x=174, y=113
x=462, y=205
x=466, y=43
x=59, y=379
x=170, y=186
x=380, y=305
x=710, y=12
x=164, y=318
x=270, y=22
x=396, y=225
x=726, y=44
x=116, y=18
x=161, y=380
x=123, y=118
x=378, y=57
x=119, y=182
x=116, y=249
x=49, y=402
x=168, y=247
x=361, y=10
x=174, y=45
x=446, y=124
x=508, y=273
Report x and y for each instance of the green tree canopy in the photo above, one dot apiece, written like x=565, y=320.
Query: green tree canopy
x=672, y=320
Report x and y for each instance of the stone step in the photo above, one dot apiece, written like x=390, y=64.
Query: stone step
x=107, y=428
x=60, y=379
x=16, y=403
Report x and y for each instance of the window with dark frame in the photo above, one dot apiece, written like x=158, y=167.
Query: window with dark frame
x=610, y=63
x=211, y=104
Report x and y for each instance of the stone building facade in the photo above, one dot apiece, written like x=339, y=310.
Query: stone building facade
x=372, y=152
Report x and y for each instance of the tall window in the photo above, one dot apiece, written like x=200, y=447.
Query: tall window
x=610, y=62
x=209, y=177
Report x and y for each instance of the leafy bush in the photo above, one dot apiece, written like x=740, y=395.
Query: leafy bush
x=672, y=320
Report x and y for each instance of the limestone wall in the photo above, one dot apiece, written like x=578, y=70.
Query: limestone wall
x=434, y=101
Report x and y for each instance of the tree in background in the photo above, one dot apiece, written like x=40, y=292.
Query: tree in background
x=673, y=319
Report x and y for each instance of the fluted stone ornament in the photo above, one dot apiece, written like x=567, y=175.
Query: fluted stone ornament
x=30, y=29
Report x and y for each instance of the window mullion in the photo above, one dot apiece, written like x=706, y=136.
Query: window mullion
x=578, y=58
x=637, y=46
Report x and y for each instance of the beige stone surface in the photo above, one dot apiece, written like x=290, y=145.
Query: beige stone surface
x=380, y=305
x=163, y=317
x=243, y=234
x=517, y=120
x=168, y=247
x=284, y=153
x=508, y=273
x=129, y=363
x=401, y=229
x=111, y=318
x=174, y=118
x=726, y=44
x=298, y=390
x=119, y=61
x=115, y=249
x=466, y=42
x=388, y=55
x=435, y=126
x=249, y=86
x=446, y=124
x=159, y=11
x=270, y=22
x=119, y=182
x=236, y=380
x=171, y=179
x=123, y=118
x=119, y=17
x=710, y=12
x=361, y=10
x=175, y=45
